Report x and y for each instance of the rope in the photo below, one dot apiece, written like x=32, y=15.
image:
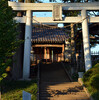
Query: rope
x=64, y=26
x=48, y=26
x=43, y=24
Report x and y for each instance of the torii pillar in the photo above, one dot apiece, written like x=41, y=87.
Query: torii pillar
x=86, y=42
x=27, y=45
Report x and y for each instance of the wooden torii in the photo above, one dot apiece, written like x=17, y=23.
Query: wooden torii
x=56, y=8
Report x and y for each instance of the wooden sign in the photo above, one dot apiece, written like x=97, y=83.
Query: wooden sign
x=57, y=12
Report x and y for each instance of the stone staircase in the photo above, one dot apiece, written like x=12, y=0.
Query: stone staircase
x=55, y=84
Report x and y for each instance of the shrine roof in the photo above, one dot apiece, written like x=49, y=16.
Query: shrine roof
x=49, y=35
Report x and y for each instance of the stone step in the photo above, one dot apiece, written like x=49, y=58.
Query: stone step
x=61, y=99
x=62, y=89
x=71, y=97
x=62, y=82
x=60, y=86
x=61, y=93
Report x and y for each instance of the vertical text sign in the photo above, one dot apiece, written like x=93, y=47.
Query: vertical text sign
x=57, y=12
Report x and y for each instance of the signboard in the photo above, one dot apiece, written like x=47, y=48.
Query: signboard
x=57, y=12
x=26, y=96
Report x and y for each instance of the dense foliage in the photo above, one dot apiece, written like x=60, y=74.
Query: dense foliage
x=91, y=81
x=91, y=72
x=8, y=37
x=94, y=81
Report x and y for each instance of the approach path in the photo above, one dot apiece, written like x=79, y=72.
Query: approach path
x=55, y=84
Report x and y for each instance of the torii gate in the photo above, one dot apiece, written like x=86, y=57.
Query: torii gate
x=29, y=7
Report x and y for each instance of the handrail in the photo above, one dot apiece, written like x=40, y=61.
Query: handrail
x=38, y=83
x=66, y=72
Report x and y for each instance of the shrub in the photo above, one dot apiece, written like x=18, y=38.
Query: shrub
x=87, y=75
x=91, y=81
x=96, y=65
x=94, y=81
x=90, y=73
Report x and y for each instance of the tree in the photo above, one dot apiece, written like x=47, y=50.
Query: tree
x=8, y=38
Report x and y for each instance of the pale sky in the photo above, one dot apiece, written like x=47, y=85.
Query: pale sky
x=96, y=48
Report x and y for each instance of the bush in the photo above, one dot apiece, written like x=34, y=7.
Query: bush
x=91, y=81
x=87, y=75
x=95, y=95
x=94, y=81
x=90, y=73
x=96, y=65
x=95, y=62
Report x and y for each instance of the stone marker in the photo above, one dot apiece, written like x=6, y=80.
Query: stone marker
x=26, y=96
x=80, y=74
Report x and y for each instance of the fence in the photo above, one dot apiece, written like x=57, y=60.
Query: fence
x=95, y=57
x=95, y=53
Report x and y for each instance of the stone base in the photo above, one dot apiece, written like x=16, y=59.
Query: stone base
x=28, y=79
x=80, y=74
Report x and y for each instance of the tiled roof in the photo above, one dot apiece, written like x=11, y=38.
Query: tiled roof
x=49, y=35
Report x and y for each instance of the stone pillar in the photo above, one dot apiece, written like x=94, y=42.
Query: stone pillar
x=52, y=55
x=27, y=45
x=48, y=54
x=86, y=43
x=62, y=52
x=44, y=52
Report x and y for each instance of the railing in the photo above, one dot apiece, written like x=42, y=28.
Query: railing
x=67, y=69
x=95, y=53
x=38, y=76
x=95, y=57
